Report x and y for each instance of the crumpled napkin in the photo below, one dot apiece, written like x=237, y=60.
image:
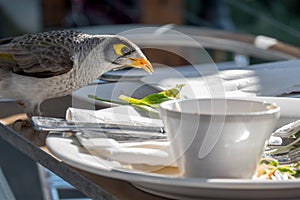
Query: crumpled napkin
x=154, y=153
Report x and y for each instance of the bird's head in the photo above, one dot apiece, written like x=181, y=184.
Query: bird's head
x=120, y=53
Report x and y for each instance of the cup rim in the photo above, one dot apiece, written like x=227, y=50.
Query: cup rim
x=274, y=108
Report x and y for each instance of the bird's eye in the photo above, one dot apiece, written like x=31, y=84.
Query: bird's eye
x=121, y=49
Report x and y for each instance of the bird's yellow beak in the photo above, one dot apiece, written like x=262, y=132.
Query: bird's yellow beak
x=142, y=63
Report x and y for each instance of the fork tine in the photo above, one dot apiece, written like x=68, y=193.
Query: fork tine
x=282, y=158
x=288, y=130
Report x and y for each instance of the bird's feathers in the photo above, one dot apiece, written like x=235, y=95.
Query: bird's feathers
x=41, y=55
x=44, y=62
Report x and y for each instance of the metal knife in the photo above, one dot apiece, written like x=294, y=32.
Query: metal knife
x=57, y=124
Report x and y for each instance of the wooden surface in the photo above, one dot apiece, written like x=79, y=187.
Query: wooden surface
x=162, y=12
x=32, y=144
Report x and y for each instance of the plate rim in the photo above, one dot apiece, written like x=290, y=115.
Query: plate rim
x=135, y=176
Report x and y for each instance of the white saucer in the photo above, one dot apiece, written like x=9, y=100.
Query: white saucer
x=69, y=150
x=167, y=183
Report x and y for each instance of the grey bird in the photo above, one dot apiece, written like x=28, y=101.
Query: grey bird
x=37, y=67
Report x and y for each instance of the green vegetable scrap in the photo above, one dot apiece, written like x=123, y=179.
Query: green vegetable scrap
x=105, y=100
x=148, y=105
x=153, y=100
x=270, y=169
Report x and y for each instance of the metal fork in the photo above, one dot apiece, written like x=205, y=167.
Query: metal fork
x=282, y=147
x=286, y=158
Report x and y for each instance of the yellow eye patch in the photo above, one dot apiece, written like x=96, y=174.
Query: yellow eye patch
x=121, y=49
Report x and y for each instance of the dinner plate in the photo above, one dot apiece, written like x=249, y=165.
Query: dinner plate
x=166, y=181
x=271, y=79
x=267, y=79
x=128, y=74
x=131, y=74
x=134, y=74
x=129, y=84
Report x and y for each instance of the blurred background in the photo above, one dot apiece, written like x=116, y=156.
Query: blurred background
x=274, y=18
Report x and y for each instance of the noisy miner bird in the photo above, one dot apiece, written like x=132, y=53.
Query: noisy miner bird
x=46, y=65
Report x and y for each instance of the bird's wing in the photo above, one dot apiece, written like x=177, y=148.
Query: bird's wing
x=35, y=55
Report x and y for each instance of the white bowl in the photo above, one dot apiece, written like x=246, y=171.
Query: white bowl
x=218, y=138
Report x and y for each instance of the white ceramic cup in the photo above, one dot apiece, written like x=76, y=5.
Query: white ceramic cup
x=218, y=138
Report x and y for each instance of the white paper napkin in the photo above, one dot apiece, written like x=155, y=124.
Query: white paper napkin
x=117, y=115
x=150, y=152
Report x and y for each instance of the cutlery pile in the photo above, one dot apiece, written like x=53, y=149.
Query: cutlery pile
x=119, y=132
